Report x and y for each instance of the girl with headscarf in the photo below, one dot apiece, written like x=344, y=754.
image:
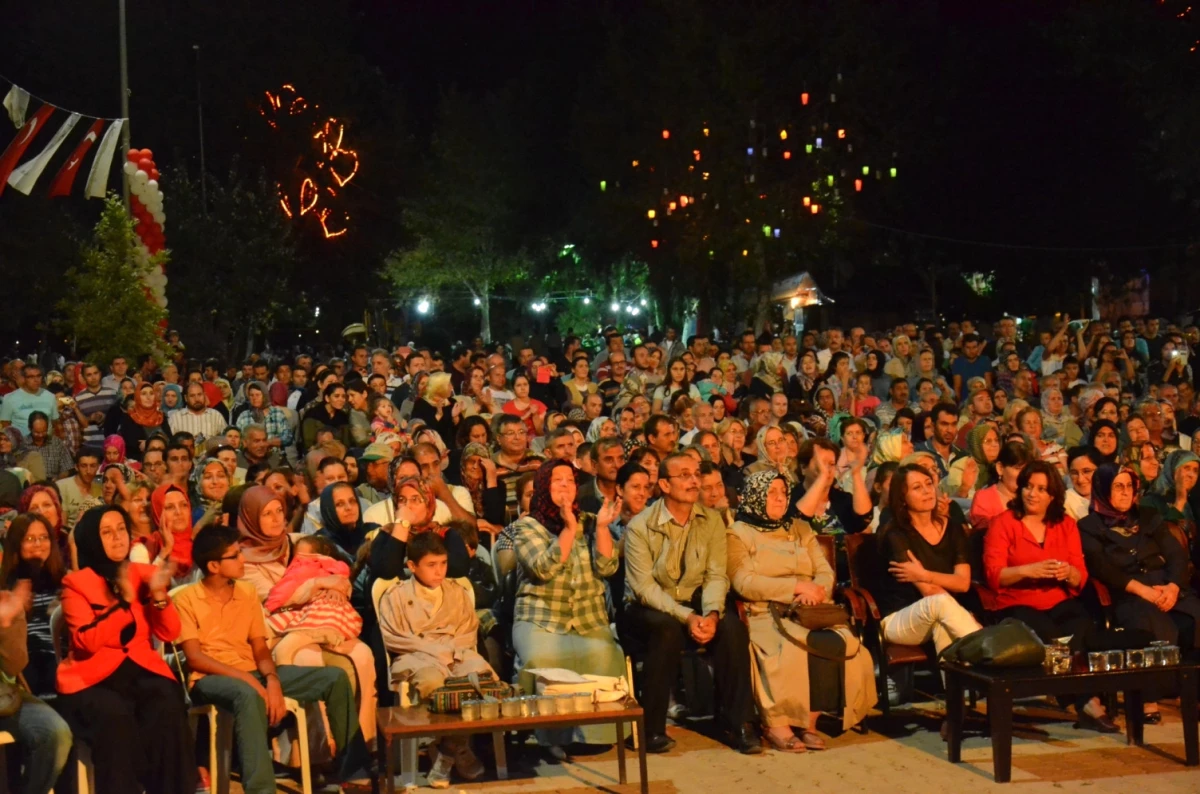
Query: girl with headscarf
x=802, y=385
x=597, y=427
x=116, y=691
x=776, y=560
x=1142, y=457
x=768, y=375
x=143, y=418
x=881, y=382
x=973, y=472
x=1168, y=497
x=772, y=454
x=559, y=615
x=891, y=446
x=1105, y=439
x=172, y=513
x=1135, y=556
x=478, y=476
x=262, y=523
x=414, y=507
x=10, y=441
x=210, y=483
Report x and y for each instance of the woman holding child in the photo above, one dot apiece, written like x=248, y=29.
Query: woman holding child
x=294, y=580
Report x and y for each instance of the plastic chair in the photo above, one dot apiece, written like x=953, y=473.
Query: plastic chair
x=85, y=770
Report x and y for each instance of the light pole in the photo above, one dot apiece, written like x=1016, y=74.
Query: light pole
x=124, y=96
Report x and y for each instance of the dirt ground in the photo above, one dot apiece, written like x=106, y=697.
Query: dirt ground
x=903, y=754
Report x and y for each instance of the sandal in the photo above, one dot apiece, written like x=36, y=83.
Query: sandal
x=790, y=745
x=812, y=740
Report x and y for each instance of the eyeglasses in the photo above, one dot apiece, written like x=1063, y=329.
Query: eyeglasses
x=412, y=501
x=36, y=540
x=233, y=556
x=684, y=475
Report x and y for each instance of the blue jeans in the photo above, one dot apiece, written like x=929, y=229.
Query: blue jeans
x=45, y=742
x=306, y=684
x=595, y=652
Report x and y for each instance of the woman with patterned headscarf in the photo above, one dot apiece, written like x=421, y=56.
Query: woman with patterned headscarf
x=775, y=561
x=414, y=505
x=560, y=618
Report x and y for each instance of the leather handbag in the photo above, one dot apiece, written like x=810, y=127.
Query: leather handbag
x=820, y=617
x=1009, y=643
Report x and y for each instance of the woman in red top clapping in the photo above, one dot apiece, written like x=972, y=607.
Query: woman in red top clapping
x=115, y=690
x=1033, y=560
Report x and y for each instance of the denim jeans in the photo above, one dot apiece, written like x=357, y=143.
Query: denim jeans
x=305, y=684
x=45, y=743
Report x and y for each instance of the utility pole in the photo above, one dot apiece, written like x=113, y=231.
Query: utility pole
x=200, y=123
x=124, y=97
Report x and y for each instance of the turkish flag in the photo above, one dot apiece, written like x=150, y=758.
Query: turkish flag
x=18, y=145
x=64, y=180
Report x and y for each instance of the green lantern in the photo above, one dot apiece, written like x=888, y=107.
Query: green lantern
x=603, y=185
x=829, y=180
x=866, y=170
x=893, y=172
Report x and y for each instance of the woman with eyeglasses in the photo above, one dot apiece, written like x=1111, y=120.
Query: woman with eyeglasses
x=32, y=580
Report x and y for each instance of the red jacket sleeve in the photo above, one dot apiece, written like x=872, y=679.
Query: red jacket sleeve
x=164, y=623
x=91, y=629
x=996, y=545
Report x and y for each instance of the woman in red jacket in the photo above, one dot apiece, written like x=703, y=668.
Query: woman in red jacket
x=115, y=690
x=1033, y=560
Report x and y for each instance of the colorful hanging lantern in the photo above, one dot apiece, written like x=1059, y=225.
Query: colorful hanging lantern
x=808, y=148
x=858, y=185
x=866, y=170
x=696, y=154
x=766, y=231
x=893, y=171
x=783, y=135
x=654, y=243
x=683, y=201
x=635, y=163
x=666, y=135
x=841, y=133
x=829, y=180
x=816, y=208
x=804, y=98
x=650, y=214
x=787, y=155
x=603, y=185
x=807, y=200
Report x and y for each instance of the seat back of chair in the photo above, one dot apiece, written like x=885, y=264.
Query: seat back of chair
x=58, y=633
x=861, y=557
x=828, y=544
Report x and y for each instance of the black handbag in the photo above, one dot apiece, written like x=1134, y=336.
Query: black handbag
x=1009, y=643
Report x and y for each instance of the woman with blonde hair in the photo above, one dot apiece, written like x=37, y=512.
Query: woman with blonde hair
x=436, y=407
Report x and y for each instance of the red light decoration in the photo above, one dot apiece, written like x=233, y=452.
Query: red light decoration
x=666, y=135
x=804, y=98
x=787, y=155
x=654, y=243
x=327, y=165
x=858, y=185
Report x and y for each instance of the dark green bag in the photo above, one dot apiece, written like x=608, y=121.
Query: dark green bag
x=1009, y=643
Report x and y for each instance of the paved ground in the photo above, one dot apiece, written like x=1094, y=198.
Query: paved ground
x=1048, y=756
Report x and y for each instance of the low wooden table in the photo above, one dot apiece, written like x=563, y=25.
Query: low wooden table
x=417, y=722
x=1001, y=685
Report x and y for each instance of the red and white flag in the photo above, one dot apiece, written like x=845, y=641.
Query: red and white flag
x=64, y=180
x=18, y=145
x=26, y=175
x=97, y=182
x=16, y=102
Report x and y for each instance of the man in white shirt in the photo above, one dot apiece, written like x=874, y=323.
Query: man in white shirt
x=196, y=418
x=744, y=357
x=116, y=372
x=833, y=344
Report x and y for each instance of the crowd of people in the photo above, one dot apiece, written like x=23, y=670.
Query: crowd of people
x=341, y=529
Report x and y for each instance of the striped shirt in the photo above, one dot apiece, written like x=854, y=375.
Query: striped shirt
x=89, y=403
x=201, y=425
x=559, y=596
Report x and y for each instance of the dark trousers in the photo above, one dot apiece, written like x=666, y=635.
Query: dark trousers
x=136, y=724
x=1066, y=618
x=665, y=638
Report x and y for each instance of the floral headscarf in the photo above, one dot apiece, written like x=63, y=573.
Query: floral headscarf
x=181, y=551
x=888, y=446
x=541, y=506
x=422, y=487
x=258, y=547
x=595, y=428
x=752, y=509
x=766, y=369
x=1164, y=484
x=473, y=450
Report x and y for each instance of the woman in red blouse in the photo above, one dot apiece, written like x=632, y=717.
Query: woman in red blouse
x=1033, y=560
x=115, y=690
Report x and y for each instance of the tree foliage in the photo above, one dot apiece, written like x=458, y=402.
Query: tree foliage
x=108, y=311
x=468, y=222
x=232, y=268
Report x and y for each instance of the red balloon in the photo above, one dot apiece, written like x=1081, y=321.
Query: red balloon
x=153, y=173
x=133, y=155
x=147, y=154
x=145, y=165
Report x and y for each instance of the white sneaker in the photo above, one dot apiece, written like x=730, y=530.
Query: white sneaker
x=439, y=773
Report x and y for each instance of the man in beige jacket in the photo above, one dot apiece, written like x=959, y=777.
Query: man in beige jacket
x=675, y=592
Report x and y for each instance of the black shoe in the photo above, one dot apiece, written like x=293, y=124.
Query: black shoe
x=745, y=740
x=1102, y=724
x=654, y=744
x=1153, y=718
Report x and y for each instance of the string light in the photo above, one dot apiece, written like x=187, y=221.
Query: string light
x=654, y=243
x=666, y=135
x=783, y=135
x=635, y=163
x=696, y=154
x=841, y=133
x=423, y=306
x=603, y=185
x=858, y=185
x=787, y=155
x=807, y=200
x=477, y=302
x=616, y=307
x=804, y=98
x=816, y=208
x=650, y=214
x=893, y=172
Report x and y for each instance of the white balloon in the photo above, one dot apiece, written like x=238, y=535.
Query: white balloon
x=163, y=301
x=152, y=186
x=140, y=178
x=158, y=217
x=129, y=168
